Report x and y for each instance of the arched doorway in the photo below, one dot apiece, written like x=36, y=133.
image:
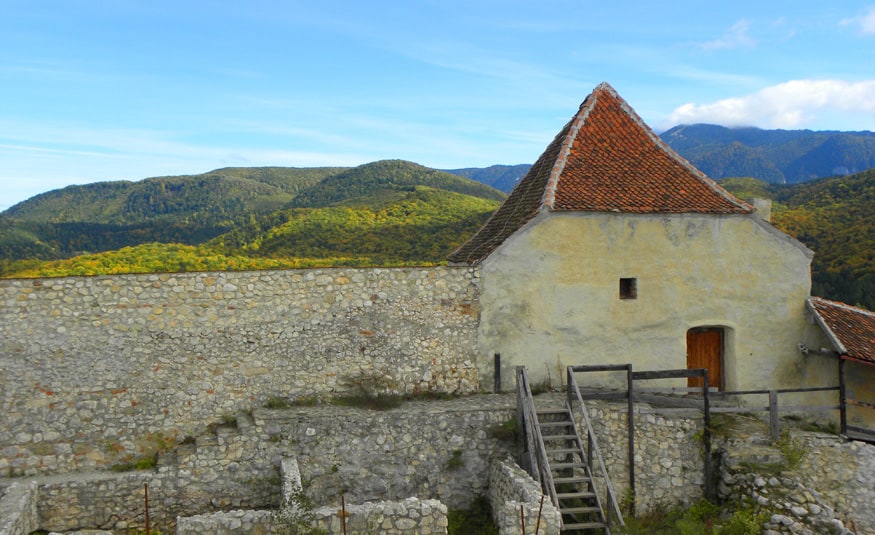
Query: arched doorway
x=705, y=350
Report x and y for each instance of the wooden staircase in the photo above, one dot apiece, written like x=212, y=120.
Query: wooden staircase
x=572, y=479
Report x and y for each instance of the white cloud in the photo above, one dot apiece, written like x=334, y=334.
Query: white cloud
x=793, y=104
x=736, y=36
x=866, y=21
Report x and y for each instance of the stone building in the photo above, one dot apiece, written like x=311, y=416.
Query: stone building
x=847, y=334
x=614, y=249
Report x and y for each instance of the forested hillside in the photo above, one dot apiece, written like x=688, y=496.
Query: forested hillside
x=383, y=213
x=834, y=217
x=777, y=156
x=187, y=209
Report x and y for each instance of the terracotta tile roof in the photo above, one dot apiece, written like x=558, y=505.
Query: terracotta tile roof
x=604, y=160
x=850, y=329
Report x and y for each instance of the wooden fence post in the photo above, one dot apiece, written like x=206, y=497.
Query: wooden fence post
x=773, y=414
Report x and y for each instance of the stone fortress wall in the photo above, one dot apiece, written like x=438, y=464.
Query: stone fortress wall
x=99, y=370
x=91, y=367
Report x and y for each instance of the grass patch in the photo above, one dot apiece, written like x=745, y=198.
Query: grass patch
x=505, y=432
x=146, y=462
x=702, y=518
x=474, y=521
x=277, y=402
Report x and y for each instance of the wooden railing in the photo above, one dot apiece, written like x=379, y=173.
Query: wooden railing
x=774, y=408
x=535, y=453
x=592, y=449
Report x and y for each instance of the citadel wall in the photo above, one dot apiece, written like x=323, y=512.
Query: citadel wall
x=94, y=369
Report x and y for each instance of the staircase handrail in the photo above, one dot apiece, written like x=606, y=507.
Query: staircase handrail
x=574, y=394
x=532, y=432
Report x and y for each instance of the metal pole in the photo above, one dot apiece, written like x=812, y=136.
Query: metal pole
x=146, y=491
x=343, y=513
x=538, y=522
x=631, y=428
x=710, y=485
x=843, y=400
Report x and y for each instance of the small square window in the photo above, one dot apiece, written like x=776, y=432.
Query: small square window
x=628, y=288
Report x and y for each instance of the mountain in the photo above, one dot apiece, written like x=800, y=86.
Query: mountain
x=187, y=209
x=776, y=156
x=209, y=198
x=500, y=177
x=367, y=182
x=834, y=217
x=385, y=212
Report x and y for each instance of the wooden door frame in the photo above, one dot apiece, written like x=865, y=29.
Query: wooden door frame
x=718, y=382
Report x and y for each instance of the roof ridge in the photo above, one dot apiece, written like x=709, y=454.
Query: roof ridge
x=579, y=119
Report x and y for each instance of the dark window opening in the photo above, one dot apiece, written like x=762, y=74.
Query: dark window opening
x=628, y=288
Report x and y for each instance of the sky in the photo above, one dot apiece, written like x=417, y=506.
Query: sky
x=98, y=90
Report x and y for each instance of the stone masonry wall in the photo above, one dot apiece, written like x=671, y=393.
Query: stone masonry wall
x=92, y=366
x=405, y=517
x=18, y=508
x=429, y=450
x=511, y=488
x=827, y=488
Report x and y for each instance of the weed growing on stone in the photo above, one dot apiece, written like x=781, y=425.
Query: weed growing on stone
x=295, y=516
x=277, y=402
x=455, y=462
x=149, y=447
x=810, y=425
x=229, y=419
x=793, y=450
x=505, y=432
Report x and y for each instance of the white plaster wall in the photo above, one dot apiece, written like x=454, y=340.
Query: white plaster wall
x=550, y=295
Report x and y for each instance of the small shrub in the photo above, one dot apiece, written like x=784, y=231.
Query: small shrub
x=743, y=522
x=792, y=450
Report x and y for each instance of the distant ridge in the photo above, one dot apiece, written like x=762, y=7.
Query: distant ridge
x=776, y=156
x=500, y=177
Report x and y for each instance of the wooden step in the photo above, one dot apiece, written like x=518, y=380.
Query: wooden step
x=583, y=525
x=559, y=437
x=570, y=495
x=556, y=424
x=575, y=479
x=559, y=451
x=578, y=510
x=562, y=466
x=540, y=412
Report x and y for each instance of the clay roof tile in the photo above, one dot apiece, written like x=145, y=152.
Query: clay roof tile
x=850, y=329
x=604, y=160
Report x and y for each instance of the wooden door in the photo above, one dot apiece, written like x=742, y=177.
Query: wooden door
x=705, y=350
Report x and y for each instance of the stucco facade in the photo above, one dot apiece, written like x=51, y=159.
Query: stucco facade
x=550, y=295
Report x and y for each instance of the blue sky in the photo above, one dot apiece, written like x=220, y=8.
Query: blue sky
x=127, y=89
